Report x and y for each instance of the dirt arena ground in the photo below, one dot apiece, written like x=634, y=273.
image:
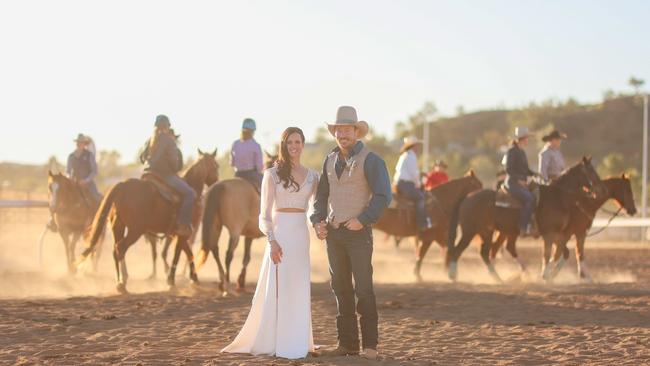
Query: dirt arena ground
x=50, y=318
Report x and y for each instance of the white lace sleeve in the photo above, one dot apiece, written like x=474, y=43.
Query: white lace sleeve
x=266, y=204
x=312, y=195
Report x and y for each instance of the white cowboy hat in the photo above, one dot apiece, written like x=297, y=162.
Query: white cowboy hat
x=409, y=142
x=521, y=132
x=347, y=116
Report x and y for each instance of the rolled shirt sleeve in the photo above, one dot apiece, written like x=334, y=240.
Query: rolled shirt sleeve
x=543, y=164
x=379, y=183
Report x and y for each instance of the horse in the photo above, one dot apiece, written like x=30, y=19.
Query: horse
x=137, y=207
x=582, y=216
x=479, y=215
x=235, y=204
x=72, y=212
x=401, y=223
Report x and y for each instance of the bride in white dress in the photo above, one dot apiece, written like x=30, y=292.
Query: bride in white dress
x=279, y=322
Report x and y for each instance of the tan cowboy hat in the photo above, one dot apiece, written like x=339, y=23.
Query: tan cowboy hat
x=409, y=142
x=82, y=138
x=521, y=132
x=555, y=134
x=347, y=116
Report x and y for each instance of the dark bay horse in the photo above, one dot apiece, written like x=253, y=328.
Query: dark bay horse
x=582, y=216
x=136, y=207
x=401, y=223
x=235, y=205
x=72, y=212
x=478, y=215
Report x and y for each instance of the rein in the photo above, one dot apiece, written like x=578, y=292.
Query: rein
x=591, y=217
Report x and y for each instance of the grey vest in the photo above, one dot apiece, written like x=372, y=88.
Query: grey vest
x=350, y=194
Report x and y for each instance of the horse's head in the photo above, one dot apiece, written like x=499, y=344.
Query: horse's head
x=582, y=177
x=473, y=183
x=61, y=190
x=269, y=159
x=209, y=166
x=621, y=191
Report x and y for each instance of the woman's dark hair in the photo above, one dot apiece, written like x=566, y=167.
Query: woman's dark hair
x=283, y=163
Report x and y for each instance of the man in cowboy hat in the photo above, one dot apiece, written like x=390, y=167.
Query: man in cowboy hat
x=246, y=155
x=81, y=168
x=551, y=161
x=517, y=173
x=437, y=176
x=407, y=179
x=352, y=193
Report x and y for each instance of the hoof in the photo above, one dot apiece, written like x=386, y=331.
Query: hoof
x=194, y=278
x=171, y=282
x=493, y=273
x=453, y=271
x=121, y=288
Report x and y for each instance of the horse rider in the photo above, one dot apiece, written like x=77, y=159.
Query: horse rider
x=163, y=158
x=437, y=176
x=82, y=169
x=407, y=179
x=517, y=173
x=246, y=155
x=551, y=161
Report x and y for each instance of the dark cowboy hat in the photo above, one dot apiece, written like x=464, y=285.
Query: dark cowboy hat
x=555, y=134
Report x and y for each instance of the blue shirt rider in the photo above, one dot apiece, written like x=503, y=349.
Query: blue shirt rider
x=81, y=168
x=163, y=157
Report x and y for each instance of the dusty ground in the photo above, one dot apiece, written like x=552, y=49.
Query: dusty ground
x=48, y=317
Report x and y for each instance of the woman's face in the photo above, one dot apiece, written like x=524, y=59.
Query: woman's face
x=294, y=145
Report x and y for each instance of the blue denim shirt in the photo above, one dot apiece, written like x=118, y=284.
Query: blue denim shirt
x=376, y=174
x=82, y=167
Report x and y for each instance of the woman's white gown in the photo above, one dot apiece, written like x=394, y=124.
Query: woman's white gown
x=279, y=322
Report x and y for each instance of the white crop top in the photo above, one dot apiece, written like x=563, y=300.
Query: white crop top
x=275, y=196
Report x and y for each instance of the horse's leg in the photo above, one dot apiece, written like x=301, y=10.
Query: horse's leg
x=65, y=237
x=456, y=252
x=546, y=256
x=215, y=253
x=118, y=236
x=73, y=246
x=486, y=243
x=580, y=258
x=232, y=245
x=496, y=245
x=171, y=277
x=152, y=242
x=420, y=252
x=561, y=254
x=241, y=280
x=119, y=254
x=190, y=260
x=168, y=243
x=511, y=247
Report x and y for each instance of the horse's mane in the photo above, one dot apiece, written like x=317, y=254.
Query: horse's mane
x=569, y=173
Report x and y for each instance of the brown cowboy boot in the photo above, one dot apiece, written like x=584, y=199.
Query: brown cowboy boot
x=339, y=351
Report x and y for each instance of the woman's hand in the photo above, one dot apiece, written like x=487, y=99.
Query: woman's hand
x=276, y=252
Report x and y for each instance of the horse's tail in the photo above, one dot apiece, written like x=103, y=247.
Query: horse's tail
x=99, y=222
x=210, y=213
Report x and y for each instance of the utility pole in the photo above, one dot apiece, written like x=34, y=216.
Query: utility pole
x=644, y=168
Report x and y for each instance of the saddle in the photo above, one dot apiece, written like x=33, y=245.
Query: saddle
x=402, y=203
x=505, y=200
x=167, y=192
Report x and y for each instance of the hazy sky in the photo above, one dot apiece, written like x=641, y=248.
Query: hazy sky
x=107, y=68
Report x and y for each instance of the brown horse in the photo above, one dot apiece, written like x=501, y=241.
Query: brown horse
x=582, y=215
x=137, y=208
x=235, y=204
x=72, y=212
x=401, y=223
x=478, y=215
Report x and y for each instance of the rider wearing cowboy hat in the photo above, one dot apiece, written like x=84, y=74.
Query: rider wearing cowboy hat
x=407, y=179
x=82, y=167
x=517, y=170
x=551, y=161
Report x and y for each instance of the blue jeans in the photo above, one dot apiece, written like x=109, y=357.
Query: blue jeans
x=527, y=201
x=94, y=192
x=350, y=256
x=189, y=196
x=408, y=190
x=252, y=176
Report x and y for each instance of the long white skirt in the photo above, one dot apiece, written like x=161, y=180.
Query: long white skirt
x=279, y=322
